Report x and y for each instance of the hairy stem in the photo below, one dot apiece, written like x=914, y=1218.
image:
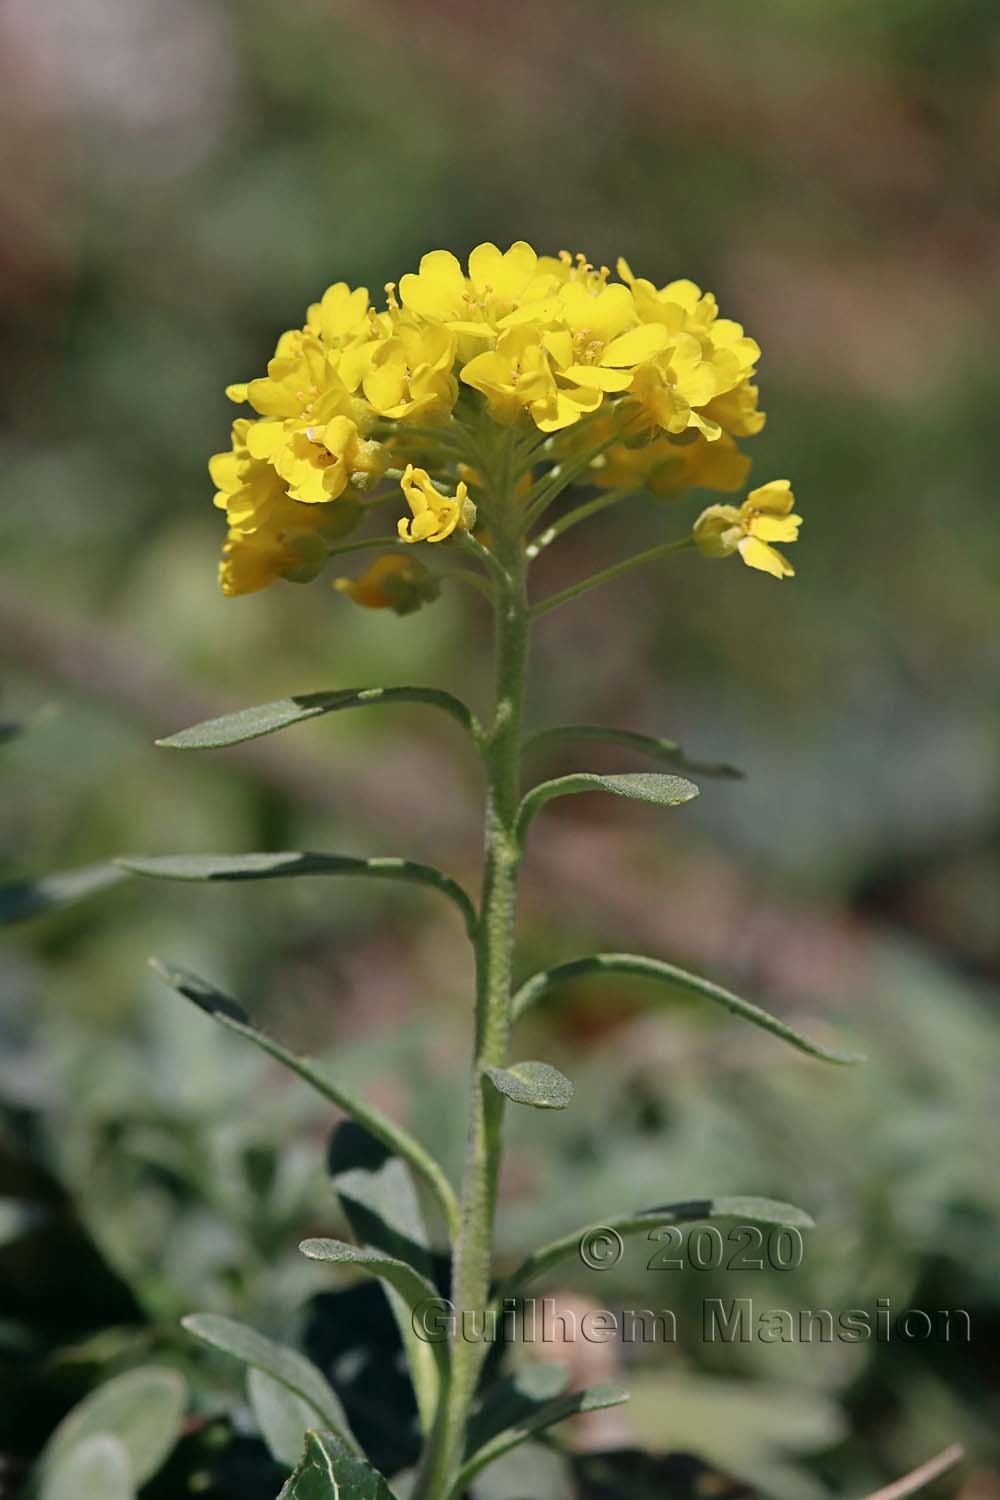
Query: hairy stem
x=473, y=1254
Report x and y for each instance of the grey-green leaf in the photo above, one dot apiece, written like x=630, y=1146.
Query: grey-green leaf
x=397, y=1140
x=415, y=1290
x=378, y=1197
x=408, y=1282
x=267, y=718
x=691, y=1211
x=287, y=1366
x=667, y=751
x=678, y=980
x=514, y=1399
x=638, y=786
x=538, y=1084
x=327, y=1472
x=288, y=863
x=30, y=898
x=96, y=1469
x=142, y=1410
x=597, y=1398
x=282, y=1417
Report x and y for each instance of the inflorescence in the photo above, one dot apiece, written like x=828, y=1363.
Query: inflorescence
x=518, y=378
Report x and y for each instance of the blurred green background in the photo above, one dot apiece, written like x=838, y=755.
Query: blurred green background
x=181, y=178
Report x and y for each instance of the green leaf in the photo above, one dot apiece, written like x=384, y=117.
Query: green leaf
x=327, y=1472
x=756, y=1210
x=667, y=751
x=378, y=1197
x=397, y=1140
x=535, y=1083
x=673, y=978
x=597, y=1398
x=414, y=1289
x=287, y=1366
x=638, y=786
x=267, y=718
x=96, y=1469
x=142, y=1410
x=512, y=1400
x=282, y=1417
x=29, y=898
x=286, y=864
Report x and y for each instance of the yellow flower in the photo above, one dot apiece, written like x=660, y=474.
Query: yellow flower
x=668, y=468
x=410, y=373
x=513, y=338
x=340, y=316
x=513, y=376
x=250, y=562
x=394, y=582
x=435, y=516
x=764, y=517
x=319, y=463
x=271, y=535
x=737, y=412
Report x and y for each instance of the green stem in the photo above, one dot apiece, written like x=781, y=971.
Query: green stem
x=473, y=1253
x=574, y=517
x=652, y=554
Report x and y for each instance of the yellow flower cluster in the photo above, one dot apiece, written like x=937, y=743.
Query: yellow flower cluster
x=649, y=384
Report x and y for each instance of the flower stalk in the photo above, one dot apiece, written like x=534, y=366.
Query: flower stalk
x=494, y=952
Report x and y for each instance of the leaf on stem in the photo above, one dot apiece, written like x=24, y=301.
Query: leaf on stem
x=397, y=1140
x=678, y=980
x=667, y=751
x=286, y=863
x=638, y=786
x=268, y=718
x=282, y=1417
x=413, y=1288
x=286, y=1366
x=378, y=1197
x=756, y=1210
x=597, y=1398
x=327, y=1472
x=513, y=1400
x=142, y=1410
x=30, y=898
x=538, y=1084
x=98, y=1469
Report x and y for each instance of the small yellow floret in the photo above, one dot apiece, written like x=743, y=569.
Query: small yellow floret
x=435, y=516
x=764, y=517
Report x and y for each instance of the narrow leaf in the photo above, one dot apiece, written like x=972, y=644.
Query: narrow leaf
x=513, y=1400
x=415, y=1290
x=535, y=1083
x=282, y=1417
x=287, y=1366
x=29, y=898
x=142, y=1410
x=638, y=786
x=397, y=1140
x=597, y=1398
x=413, y=1287
x=756, y=1210
x=667, y=751
x=673, y=978
x=267, y=718
x=286, y=864
x=97, y=1469
x=327, y=1472
x=378, y=1197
